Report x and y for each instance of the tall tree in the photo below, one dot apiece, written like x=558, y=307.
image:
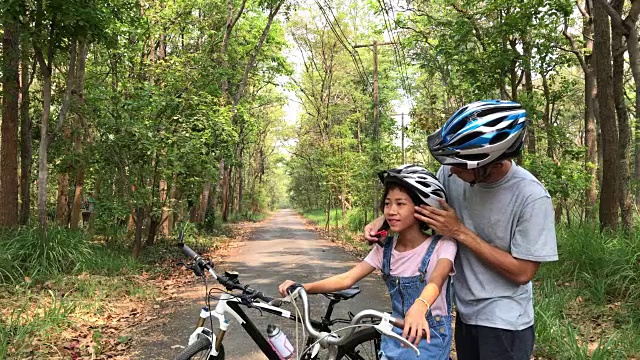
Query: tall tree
x=602, y=53
x=10, y=94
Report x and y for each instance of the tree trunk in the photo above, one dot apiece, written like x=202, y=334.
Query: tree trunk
x=226, y=184
x=45, y=69
x=624, y=128
x=204, y=201
x=172, y=198
x=76, y=210
x=528, y=85
x=590, y=141
x=219, y=186
x=79, y=135
x=546, y=118
x=602, y=52
x=137, y=242
x=634, y=59
x=9, y=142
x=26, y=145
x=237, y=202
x=164, y=220
x=154, y=221
x=62, y=207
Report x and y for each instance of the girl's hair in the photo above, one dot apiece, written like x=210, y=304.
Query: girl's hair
x=391, y=184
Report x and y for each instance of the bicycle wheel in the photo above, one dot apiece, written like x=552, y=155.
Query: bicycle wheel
x=365, y=345
x=199, y=350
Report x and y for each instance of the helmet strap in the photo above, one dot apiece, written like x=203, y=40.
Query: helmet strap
x=481, y=174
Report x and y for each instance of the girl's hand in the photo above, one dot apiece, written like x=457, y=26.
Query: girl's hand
x=415, y=322
x=282, y=289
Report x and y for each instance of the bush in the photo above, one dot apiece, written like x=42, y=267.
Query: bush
x=29, y=252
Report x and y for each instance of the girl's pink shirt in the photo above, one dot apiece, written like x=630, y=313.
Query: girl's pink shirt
x=407, y=263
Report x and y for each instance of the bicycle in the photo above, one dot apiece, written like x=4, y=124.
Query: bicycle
x=360, y=341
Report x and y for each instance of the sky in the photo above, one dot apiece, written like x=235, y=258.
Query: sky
x=293, y=108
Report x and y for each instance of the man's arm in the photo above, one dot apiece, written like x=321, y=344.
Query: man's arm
x=446, y=222
x=518, y=271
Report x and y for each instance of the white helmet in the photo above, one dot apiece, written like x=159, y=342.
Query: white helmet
x=425, y=186
x=479, y=134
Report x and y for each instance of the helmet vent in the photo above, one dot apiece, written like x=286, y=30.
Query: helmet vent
x=493, y=110
x=499, y=137
x=495, y=122
x=459, y=125
x=472, y=157
x=465, y=139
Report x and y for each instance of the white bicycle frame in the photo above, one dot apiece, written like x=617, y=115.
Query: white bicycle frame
x=326, y=340
x=329, y=340
x=219, y=313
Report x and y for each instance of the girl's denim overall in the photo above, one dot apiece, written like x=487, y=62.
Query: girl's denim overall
x=404, y=291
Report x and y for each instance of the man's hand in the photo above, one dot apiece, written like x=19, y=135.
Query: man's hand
x=372, y=228
x=444, y=221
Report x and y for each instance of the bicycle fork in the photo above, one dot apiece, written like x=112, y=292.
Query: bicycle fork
x=201, y=330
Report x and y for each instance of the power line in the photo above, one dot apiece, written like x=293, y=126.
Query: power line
x=355, y=53
x=398, y=52
x=342, y=39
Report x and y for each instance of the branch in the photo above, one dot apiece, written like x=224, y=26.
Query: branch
x=574, y=48
x=634, y=12
x=582, y=10
x=235, y=20
x=616, y=19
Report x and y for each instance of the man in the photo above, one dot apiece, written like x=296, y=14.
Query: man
x=503, y=222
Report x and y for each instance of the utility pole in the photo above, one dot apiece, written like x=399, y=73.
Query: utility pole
x=404, y=156
x=376, y=93
x=376, y=117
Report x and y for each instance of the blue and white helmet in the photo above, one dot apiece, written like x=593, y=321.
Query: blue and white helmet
x=480, y=133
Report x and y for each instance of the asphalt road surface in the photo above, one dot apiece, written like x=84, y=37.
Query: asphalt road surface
x=280, y=248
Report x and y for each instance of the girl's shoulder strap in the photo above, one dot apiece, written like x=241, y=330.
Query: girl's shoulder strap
x=428, y=253
x=386, y=255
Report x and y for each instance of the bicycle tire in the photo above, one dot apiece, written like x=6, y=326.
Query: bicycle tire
x=365, y=345
x=202, y=347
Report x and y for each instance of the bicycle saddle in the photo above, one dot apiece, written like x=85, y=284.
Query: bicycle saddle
x=344, y=294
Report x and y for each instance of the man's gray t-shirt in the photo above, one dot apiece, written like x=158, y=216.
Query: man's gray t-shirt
x=514, y=214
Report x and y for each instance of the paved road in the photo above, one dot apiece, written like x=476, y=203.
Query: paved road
x=280, y=248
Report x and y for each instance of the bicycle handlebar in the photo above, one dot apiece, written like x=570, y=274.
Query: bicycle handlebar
x=384, y=327
x=222, y=279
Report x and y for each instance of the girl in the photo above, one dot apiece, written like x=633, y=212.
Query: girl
x=416, y=267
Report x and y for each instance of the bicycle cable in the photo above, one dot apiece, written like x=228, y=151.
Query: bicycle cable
x=299, y=316
x=332, y=333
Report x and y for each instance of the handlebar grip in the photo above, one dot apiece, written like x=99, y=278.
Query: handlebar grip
x=263, y=297
x=293, y=288
x=187, y=251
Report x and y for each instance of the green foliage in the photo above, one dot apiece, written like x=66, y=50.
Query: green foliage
x=18, y=331
x=587, y=303
x=29, y=252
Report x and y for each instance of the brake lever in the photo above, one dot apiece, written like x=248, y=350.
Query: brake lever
x=385, y=328
x=196, y=270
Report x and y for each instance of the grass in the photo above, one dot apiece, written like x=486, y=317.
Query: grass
x=344, y=229
x=587, y=304
x=49, y=283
